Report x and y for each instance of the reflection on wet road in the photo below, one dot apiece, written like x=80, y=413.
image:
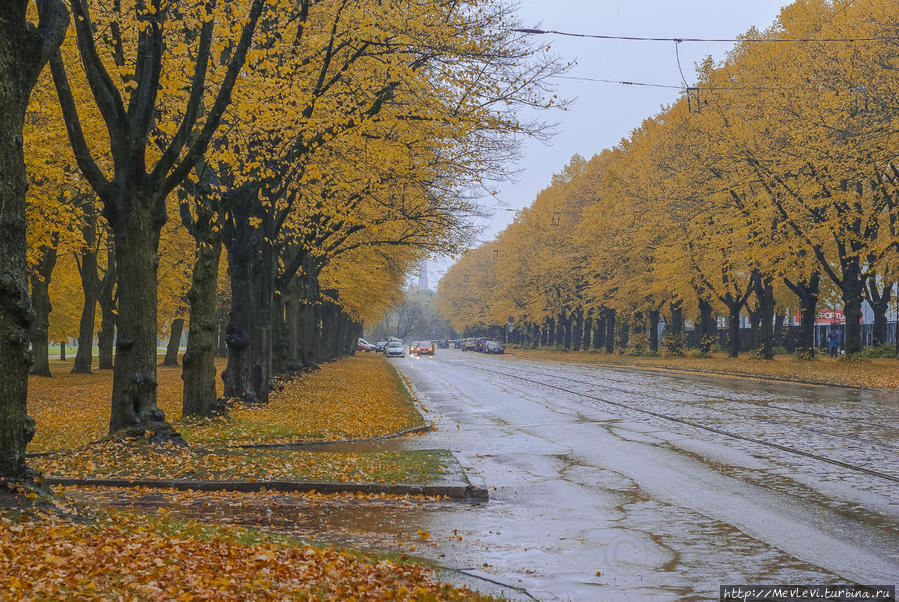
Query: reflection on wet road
x=626, y=485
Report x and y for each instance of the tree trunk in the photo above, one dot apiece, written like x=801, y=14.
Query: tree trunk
x=236, y=375
x=807, y=291
x=676, y=327
x=198, y=372
x=610, y=330
x=599, y=330
x=107, y=301
x=733, y=335
x=40, y=300
x=134, y=382
x=852, y=292
x=880, y=301
x=90, y=283
x=764, y=290
x=577, y=329
x=707, y=325
x=779, y=320
x=588, y=332
x=654, y=330
x=171, y=351
x=624, y=334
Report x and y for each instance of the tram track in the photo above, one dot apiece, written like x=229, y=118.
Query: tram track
x=690, y=423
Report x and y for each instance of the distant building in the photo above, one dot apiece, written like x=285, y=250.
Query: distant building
x=423, y=275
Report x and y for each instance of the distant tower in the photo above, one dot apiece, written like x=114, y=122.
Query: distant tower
x=423, y=275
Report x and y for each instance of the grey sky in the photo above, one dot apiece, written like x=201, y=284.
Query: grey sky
x=602, y=114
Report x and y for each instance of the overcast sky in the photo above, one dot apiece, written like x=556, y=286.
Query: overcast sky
x=600, y=115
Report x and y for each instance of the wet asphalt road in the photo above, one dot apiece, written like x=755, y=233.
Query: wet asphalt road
x=626, y=485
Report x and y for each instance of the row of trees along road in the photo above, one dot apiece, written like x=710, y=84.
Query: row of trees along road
x=770, y=185
x=327, y=146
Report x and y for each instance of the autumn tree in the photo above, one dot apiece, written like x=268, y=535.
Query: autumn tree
x=132, y=50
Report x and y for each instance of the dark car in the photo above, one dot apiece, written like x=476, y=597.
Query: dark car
x=443, y=344
x=480, y=344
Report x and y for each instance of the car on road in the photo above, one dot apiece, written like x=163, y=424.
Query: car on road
x=395, y=349
x=470, y=345
x=363, y=345
x=443, y=344
x=494, y=347
x=479, y=344
x=379, y=346
x=425, y=348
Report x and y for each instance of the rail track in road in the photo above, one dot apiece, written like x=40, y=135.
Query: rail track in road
x=605, y=379
x=679, y=420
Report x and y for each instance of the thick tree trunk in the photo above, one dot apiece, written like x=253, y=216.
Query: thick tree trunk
x=707, y=325
x=599, y=330
x=733, y=334
x=577, y=329
x=134, y=382
x=852, y=290
x=62, y=350
x=779, y=320
x=588, y=332
x=198, y=372
x=624, y=335
x=880, y=302
x=107, y=301
x=171, y=351
x=676, y=327
x=610, y=330
x=764, y=291
x=807, y=291
x=40, y=300
x=755, y=320
x=236, y=375
x=90, y=283
x=654, y=330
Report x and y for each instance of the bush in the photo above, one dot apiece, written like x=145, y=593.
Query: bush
x=699, y=353
x=887, y=351
x=706, y=343
x=760, y=354
x=804, y=353
x=638, y=344
x=674, y=344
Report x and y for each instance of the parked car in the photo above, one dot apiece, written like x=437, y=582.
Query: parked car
x=363, y=345
x=379, y=346
x=480, y=343
x=425, y=348
x=395, y=349
x=470, y=345
x=494, y=347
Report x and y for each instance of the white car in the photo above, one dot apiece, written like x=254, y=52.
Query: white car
x=395, y=349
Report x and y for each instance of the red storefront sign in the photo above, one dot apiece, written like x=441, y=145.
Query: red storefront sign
x=830, y=315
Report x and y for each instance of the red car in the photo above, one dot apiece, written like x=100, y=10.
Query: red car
x=363, y=345
x=425, y=348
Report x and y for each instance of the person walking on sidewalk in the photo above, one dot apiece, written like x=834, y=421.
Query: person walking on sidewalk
x=834, y=343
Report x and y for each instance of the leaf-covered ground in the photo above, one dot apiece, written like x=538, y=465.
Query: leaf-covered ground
x=356, y=397
x=874, y=373
x=360, y=396
x=133, y=557
x=140, y=460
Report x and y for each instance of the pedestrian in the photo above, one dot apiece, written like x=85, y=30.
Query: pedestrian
x=833, y=340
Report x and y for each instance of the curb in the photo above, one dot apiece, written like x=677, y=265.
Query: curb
x=453, y=491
